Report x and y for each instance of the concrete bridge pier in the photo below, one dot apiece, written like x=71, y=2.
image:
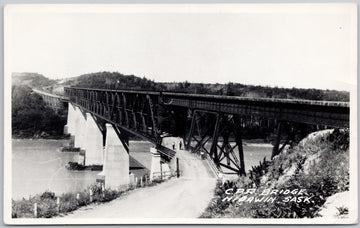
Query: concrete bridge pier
x=155, y=164
x=69, y=128
x=116, y=161
x=80, y=128
x=158, y=169
x=94, y=142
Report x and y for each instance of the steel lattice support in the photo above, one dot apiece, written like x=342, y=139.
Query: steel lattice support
x=219, y=137
x=290, y=131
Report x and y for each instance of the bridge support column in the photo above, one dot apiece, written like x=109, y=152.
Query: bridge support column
x=155, y=164
x=80, y=127
x=94, y=142
x=159, y=169
x=70, y=125
x=116, y=161
x=206, y=129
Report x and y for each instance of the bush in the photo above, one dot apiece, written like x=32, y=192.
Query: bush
x=47, y=208
x=47, y=195
x=258, y=171
x=68, y=202
x=47, y=201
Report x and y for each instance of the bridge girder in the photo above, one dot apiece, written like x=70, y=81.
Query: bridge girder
x=135, y=113
x=216, y=121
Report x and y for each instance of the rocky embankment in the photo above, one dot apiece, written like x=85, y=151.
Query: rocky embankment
x=308, y=180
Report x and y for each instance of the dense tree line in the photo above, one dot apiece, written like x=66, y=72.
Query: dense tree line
x=237, y=89
x=31, y=117
x=115, y=80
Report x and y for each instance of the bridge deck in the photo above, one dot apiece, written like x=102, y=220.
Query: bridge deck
x=63, y=98
x=303, y=111
x=330, y=113
x=220, y=97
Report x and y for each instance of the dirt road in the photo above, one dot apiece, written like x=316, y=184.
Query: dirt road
x=184, y=197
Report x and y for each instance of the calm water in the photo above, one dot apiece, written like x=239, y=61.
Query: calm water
x=39, y=165
x=255, y=152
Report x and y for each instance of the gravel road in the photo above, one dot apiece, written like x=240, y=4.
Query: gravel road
x=184, y=197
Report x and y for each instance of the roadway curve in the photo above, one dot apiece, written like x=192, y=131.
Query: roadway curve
x=184, y=197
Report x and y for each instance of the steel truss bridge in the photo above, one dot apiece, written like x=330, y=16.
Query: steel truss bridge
x=209, y=124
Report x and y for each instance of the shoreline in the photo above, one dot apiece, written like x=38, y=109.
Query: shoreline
x=248, y=142
x=40, y=137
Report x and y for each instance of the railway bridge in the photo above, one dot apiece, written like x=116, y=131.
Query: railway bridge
x=212, y=125
x=56, y=102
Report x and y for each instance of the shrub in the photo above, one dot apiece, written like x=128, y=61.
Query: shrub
x=343, y=210
x=68, y=202
x=258, y=171
x=47, y=208
x=47, y=195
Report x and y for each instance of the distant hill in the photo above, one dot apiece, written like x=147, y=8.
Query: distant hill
x=32, y=80
x=115, y=80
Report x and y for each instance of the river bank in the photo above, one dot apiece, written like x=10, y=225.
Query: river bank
x=41, y=136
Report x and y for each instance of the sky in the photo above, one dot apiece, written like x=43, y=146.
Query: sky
x=303, y=46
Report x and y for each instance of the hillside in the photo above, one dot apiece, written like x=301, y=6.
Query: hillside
x=32, y=80
x=295, y=184
x=113, y=80
x=31, y=117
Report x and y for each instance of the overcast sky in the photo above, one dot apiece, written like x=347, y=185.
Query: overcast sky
x=278, y=45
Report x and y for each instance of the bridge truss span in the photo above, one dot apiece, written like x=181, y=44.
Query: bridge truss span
x=134, y=112
x=210, y=125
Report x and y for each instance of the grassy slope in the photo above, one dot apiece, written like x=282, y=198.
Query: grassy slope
x=319, y=164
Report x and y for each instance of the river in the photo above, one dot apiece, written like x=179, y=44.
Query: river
x=39, y=165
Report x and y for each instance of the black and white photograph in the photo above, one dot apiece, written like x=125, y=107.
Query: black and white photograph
x=180, y=113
